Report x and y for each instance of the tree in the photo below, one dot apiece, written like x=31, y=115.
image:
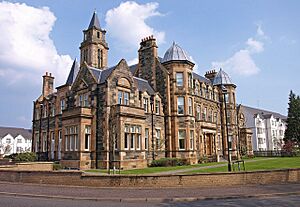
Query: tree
x=292, y=133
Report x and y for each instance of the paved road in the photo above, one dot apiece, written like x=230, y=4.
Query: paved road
x=279, y=201
x=141, y=193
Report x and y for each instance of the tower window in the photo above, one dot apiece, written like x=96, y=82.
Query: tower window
x=179, y=79
x=180, y=105
x=98, y=34
x=99, y=58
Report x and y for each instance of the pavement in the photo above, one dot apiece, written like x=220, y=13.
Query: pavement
x=158, y=195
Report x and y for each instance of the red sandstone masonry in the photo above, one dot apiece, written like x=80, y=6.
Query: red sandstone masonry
x=195, y=180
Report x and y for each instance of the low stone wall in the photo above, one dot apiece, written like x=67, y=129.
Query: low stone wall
x=77, y=178
x=29, y=166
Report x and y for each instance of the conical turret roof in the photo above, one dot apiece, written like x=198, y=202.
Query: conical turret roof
x=94, y=22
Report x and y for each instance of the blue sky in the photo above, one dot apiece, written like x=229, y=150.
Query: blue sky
x=256, y=42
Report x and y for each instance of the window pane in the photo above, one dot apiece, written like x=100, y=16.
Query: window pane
x=132, y=141
x=180, y=103
x=179, y=79
x=157, y=107
x=181, y=139
x=119, y=97
x=145, y=104
x=191, y=139
x=146, y=138
x=126, y=141
x=126, y=98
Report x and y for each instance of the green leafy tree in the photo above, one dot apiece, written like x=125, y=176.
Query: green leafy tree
x=292, y=133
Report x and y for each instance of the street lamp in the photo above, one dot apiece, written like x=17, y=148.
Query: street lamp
x=152, y=125
x=225, y=92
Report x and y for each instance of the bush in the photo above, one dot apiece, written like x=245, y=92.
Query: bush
x=203, y=159
x=23, y=157
x=57, y=166
x=167, y=162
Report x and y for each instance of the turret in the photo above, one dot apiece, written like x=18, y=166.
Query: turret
x=94, y=48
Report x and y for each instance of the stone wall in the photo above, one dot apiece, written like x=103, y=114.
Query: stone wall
x=195, y=180
x=32, y=166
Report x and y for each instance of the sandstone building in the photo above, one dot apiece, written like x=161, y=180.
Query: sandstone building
x=130, y=115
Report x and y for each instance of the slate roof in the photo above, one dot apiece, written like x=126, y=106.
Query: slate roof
x=133, y=68
x=102, y=75
x=222, y=78
x=143, y=85
x=175, y=52
x=73, y=73
x=201, y=78
x=264, y=113
x=26, y=133
x=94, y=22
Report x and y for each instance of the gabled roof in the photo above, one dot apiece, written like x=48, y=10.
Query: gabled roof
x=26, y=133
x=73, y=73
x=263, y=113
x=101, y=75
x=94, y=22
x=143, y=85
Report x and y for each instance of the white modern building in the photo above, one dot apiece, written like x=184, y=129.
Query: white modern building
x=14, y=140
x=268, y=128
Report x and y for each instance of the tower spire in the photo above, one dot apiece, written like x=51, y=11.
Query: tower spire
x=94, y=21
x=94, y=48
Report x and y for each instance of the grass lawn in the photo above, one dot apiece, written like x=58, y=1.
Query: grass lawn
x=150, y=170
x=275, y=163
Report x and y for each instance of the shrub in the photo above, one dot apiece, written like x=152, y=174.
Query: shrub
x=203, y=159
x=167, y=162
x=23, y=157
x=57, y=166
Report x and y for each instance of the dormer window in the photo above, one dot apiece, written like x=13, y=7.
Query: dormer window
x=157, y=106
x=145, y=104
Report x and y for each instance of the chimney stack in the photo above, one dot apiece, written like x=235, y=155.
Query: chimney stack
x=48, y=81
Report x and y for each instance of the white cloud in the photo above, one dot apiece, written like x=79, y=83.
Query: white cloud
x=127, y=23
x=133, y=61
x=27, y=51
x=242, y=62
x=255, y=46
x=259, y=30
